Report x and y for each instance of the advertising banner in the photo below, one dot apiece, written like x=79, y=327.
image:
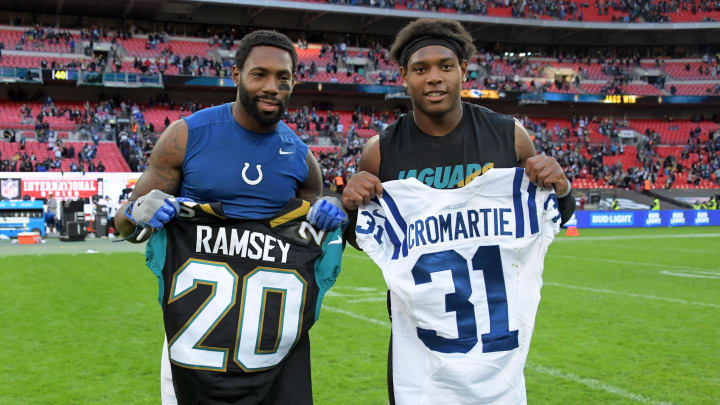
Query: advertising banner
x=60, y=188
x=644, y=218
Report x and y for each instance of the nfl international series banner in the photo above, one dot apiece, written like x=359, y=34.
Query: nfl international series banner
x=61, y=188
x=644, y=218
x=65, y=186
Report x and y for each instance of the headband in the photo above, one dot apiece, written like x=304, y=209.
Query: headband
x=427, y=40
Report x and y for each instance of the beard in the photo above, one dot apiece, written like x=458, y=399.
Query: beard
x=264, y=118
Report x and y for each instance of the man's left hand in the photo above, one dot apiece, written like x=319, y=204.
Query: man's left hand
x=327, y=213
x=546, y=172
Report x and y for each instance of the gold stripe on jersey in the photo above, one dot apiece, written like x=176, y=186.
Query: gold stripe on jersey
x=296, y=213
x=207, y=208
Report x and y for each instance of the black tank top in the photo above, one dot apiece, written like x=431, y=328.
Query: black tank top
x=482, y=140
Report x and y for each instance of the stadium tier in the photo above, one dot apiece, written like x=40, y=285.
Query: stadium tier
x=569, y=10
x=325, y=63
x=684, y=171
x=107, y=153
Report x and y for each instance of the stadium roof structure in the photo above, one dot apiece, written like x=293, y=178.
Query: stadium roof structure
x=141, y=9
x=297, y=15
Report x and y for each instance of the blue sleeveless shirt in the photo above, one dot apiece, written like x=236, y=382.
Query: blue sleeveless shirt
x=252, y=174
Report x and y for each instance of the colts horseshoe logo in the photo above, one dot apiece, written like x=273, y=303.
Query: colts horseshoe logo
x=248, y=181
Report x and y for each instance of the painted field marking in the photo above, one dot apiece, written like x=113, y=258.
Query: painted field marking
x=331, y=293
x=588, y=382
x=632, y=237
x=664, y=249
x=696, y=274
x=600, y=259
x=629, y=294
x=594, y=384
x=357, y=316
x=369, y=299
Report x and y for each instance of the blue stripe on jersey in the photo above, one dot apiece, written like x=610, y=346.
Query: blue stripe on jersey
x=155, y=251
x=534, y=227
x=391, y=234
x=553, y=197
x=517, y=202
x=399, y=219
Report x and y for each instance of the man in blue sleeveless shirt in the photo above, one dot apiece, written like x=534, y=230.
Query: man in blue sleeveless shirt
x=239, y=154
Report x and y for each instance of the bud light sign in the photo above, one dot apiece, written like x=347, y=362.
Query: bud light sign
x=701, y=218
x=611, y=219
x=645, y=218
x=653, y=218
x=677, y=218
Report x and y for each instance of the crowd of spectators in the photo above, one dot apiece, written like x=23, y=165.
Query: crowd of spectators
x=310, y=123
x=321, y=124
x=38, y=37
x=619, y=10
x=341, y=164
x=503, y=72
x=57, y=151
x=580, y=158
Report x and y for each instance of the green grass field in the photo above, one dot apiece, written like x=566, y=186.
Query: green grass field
x=627, y=316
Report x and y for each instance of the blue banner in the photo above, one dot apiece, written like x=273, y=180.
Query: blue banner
x=644, y=218
x=20, y=205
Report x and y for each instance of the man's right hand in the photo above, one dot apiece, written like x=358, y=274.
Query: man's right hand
x=153, y=210
x=361, y=188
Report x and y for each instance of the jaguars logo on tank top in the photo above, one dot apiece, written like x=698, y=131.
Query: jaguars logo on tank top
x=482, y=140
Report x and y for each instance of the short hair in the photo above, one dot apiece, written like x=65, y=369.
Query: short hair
x=430, y=26
x=264, y=38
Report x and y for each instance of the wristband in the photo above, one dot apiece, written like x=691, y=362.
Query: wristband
x=567, y=193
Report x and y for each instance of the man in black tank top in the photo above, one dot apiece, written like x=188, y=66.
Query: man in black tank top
x=444, y=142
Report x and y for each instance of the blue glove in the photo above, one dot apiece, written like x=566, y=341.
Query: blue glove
x=327, y=213
x=153, y=210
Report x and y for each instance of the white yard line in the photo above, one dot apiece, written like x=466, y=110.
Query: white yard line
x=633, y=237
x=369, y=299
x=589, y=382
x=601, y=259
x=606, y=291
x=357, y=316
x=646, y=247
x=597, y=259
x=629, y=294
x=332, y=293
x=697, y=274
x=594, y=384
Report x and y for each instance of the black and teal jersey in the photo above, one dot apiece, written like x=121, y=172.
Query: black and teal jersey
x=238, y=298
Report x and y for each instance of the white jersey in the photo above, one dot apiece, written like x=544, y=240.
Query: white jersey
x=464, y=270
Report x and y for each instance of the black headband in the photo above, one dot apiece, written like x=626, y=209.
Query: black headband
x=427, y=40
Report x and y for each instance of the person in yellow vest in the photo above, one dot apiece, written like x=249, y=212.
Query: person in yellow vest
x=615, y=205
x=697, y=205
x=655, y=204
x=712, y=204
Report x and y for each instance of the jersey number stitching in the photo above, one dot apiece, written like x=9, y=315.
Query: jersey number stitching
x=486, y=259
x=186, y=349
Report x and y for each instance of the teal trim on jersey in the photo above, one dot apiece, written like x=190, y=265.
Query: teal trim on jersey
x=155, y=251
x=327, y=266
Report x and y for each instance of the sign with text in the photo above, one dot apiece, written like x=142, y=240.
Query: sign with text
x=645, y=218
x=60, y=188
